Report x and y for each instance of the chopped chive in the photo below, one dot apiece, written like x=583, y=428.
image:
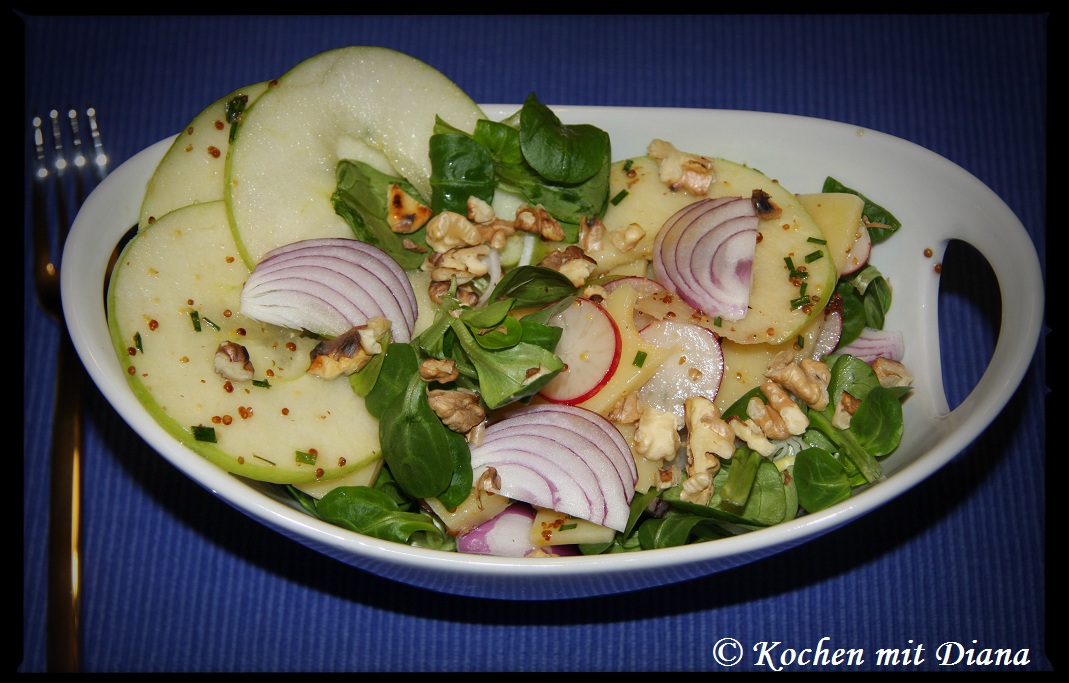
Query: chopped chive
x=799, y=302
x=816, y=240
x=718, y=321
x=204, y=433
x=137, y=342
x=814, y=256
x=263, y=383
x=566, y=527
x=799, y=343
x=802, y=288
x=305, y=458
x=195, y=317
x=212, y=324
x=790, y=263
x=628, y=164
x=640, y=358
x=619, y=197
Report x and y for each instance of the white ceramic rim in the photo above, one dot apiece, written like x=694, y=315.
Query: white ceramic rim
x=805, y=149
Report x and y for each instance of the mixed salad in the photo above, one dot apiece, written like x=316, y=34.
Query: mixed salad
x=493, y=337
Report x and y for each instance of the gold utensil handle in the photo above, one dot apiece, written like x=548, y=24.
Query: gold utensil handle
x=64, y=572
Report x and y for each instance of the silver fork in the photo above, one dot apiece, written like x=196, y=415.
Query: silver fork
x=64, y=175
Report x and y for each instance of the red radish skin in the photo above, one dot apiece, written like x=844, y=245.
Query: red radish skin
x=858, y=254
x=829, y=335
x=590, y=348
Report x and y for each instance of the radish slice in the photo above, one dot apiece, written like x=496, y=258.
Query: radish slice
x=705, y=253
x=590, y=348
x=560, y=457
x=859, y=252
x=829, y=335
x=872, y=344
x=645, y=286
x=697, y=371
x=328, y=286
x=642, y=285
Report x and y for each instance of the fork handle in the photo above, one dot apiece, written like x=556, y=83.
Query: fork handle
x=64, y=572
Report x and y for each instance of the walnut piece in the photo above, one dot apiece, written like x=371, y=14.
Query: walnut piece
x=479, y=211
x=537, y=220
x=625, y=239
x=627, y=410
x=571, y=262
x=232, y=362
x=492, y=230
x=767, y=419
x=698, y=488
x=442, y=370
x=681, y=170
x=794, y=418
x=844, y=410
x=657, y=435
x=449, y=230
x=349, y=351
x=764, y=206
x=591, y=233
x=460, y=411
x=892, y=373
x=807, y=379
x=749, y=432
x=465, y=294
x=406, y=214
x=708, y=436
x=463, y=263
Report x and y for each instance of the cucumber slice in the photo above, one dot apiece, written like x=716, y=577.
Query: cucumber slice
x=187, y=263
x=367, y=103
x=193, y=169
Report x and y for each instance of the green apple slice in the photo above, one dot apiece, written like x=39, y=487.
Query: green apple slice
x=793, y=235
x=373, y=104
x=193, y=168
x=284, y=426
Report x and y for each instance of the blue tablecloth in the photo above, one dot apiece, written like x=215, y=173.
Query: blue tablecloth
x=176, y=580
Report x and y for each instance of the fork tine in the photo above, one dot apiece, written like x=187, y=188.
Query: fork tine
x=77, y=157
x=100, y=158
x=43, y=258
x=59, y=163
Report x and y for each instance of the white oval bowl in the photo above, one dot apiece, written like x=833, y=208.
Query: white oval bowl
x=936, y=202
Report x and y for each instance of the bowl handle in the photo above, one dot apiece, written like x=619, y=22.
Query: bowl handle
x=1013, y=258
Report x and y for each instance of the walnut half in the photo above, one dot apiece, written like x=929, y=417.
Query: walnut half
x=349, y=351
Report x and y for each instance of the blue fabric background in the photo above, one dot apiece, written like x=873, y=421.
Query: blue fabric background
x=175, y=580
